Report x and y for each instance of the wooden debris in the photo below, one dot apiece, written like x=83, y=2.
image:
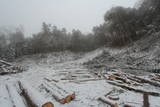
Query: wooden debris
x=33, y=98
x=104, y=100
x=8, y=68
x=133, y=89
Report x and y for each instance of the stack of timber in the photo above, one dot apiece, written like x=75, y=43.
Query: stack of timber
x=8, y=68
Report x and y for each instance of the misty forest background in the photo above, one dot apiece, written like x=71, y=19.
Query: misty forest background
x=122, y=26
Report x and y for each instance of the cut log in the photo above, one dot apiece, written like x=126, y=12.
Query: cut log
x=145, y=100
x=58, y=93
x=49, y=104
x=127, y=105
x=6, y=63
x=133, y=89
x=125, y=80
x=58, y=97
x=155, y=79
x=113, y=97
x=133, y=79
x=50, y=80
x=148, y=81
x=84, y=80
x=5, y=100
x=33, y=98
x=104, y=100
x=109, y=93
x=15, y=96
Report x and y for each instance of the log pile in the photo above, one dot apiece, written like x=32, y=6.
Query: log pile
x=59, y=94
x=21, y=95
x=33, y=98
x=156, y=78
x=8, y=68
x=127, y=82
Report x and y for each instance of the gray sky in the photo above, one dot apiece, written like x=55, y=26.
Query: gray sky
x=78, y=14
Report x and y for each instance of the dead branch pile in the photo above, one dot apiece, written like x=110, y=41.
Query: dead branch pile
x=8, y=68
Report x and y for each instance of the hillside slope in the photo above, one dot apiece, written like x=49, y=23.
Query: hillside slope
x=141, y=57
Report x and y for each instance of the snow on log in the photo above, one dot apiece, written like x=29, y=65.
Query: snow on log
x=33, y=98
x=15, y=96
x=133, y=89
x=54, y=93
x=6, y=63
x=58, y=93
x=148, y=81
x=5, y=100
x=104, y=100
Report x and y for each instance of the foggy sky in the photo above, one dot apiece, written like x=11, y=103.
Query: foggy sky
x=78, y=14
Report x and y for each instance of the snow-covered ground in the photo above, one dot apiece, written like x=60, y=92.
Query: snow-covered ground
x=68, y=71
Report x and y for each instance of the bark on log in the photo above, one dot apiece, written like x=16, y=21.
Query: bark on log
x=145, y=100
x=133, y=89
x=33, y=98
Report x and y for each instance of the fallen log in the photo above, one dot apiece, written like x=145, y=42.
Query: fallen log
x=133, y=79
x=58, y=93
x=155, y=79
x=5, y=100
x=147, y=81
x=15, y=96
x=6, y=63
x=127, y=105
x=50, y=80
x=109, y=93
x=123, y=79
x=133, y=89
x=104, y=100
x=113, y=97
x=33, y=98
x=85, y=80
x=57, y=96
